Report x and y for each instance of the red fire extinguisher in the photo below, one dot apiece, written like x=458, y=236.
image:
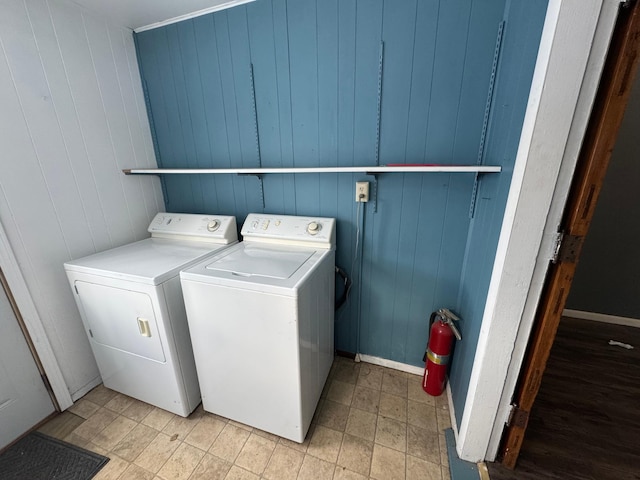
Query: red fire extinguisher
x=438, y=350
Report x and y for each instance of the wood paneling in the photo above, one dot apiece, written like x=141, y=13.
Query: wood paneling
x=72, y=115
x=316, y=68
x=522, y=31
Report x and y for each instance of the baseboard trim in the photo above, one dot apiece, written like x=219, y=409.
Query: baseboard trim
x=383, y=362
x=602, y=317
x=82, y=391
x=452, y=412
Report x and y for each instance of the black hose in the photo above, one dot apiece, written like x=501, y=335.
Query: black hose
x=345, y=290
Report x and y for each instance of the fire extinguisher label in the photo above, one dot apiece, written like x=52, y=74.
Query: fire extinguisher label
x=437, y=359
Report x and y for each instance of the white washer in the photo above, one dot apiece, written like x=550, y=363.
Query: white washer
x=261, y=321
x=131, y=304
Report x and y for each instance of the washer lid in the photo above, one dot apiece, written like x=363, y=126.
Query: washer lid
x=256, y=261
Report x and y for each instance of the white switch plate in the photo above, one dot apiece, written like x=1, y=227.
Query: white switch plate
x=362, y=191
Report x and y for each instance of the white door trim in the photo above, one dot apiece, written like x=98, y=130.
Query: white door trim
x=574, y=42
x=32, y=321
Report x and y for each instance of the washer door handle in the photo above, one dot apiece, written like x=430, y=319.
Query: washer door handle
x=143, y=326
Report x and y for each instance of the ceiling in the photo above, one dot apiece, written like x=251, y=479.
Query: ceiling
x=141, y=15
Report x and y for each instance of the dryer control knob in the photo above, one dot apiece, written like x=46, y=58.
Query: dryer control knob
x=213, y=225
x=313, y=228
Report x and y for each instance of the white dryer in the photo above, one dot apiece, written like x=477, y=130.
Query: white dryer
x=131, y=304
x=261, y=321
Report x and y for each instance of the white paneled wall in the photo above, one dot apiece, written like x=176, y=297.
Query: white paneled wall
x=72, y=115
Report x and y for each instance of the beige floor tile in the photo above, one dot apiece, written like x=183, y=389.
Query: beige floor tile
x=361, y=424
x=392, y=433
x=100, y=395
x=340, y=392
x=300, y=447
x=423, y=444
x=346, y=372
x=444, y=457
x=137, y=410
x=394, y=383
x=366, y=399
x=182, y=426
x=205, y=432
x=154, y=456
x=446, y=473
x=92, y=447
x=181, y=463
x=417, y=394
x=315, y=469
x=342, y=473
x=333, y=415
x=229, y=443
x=95, y=424
x=84, y=408
x=418, y=469
x=267, y=435
x=134, y=472
x=318, y=410
x=237, y=473
x=255, y=454
x=112, y=469
x=325, y=444
x=248, y=428
x=355, y=454
x=444, y=418
x=442, y=400
x=284, y=464
x=119, y=403
x=75, y=439
x=135, y=442
x=211, y=468
x=387, y=464
x=61, y=425
x=110, y=436
x=157, y=418
x=422, y=415
x=370, y=376
x=393, y=406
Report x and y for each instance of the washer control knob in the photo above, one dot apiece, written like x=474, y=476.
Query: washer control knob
x=213, y=225
x=313, y=228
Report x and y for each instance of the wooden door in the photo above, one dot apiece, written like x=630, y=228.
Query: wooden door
x=600, y=137
x=24, y=398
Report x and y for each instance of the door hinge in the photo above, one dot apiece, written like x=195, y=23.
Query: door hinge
x=567, y=248
x=517, y=417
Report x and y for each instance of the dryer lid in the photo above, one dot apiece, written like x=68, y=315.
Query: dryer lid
x=258, y=261
x=151, y=261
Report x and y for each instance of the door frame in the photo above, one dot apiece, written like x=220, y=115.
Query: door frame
x=33, y=322
x=571, y=56
x=613, y=94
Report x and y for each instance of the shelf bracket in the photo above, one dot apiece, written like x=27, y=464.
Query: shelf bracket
x=260, y=185
x=373, y=194
x=379, y=105
x=487, y=114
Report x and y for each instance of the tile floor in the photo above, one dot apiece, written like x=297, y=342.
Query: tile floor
x=372, y=422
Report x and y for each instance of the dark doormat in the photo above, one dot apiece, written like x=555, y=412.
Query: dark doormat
x=40, y=457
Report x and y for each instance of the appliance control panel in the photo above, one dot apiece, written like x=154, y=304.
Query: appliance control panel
x=213, y=228
x=290, y=230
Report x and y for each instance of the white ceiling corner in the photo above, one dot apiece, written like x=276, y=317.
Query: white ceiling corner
x=140, y=15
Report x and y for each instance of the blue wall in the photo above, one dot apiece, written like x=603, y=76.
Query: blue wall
x=523, y=27
x=315, y=65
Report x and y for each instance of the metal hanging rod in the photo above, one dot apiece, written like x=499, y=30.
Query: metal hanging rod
x=400, y=168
